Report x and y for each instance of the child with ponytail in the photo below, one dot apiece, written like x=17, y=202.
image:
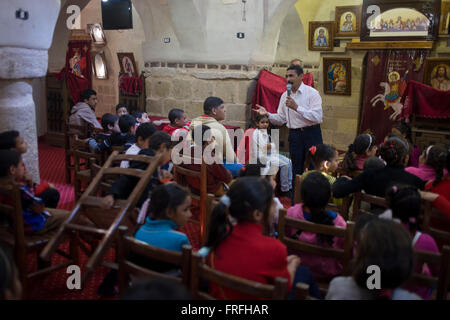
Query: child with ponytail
x=358, y=152
x=431, y=164
x=316, y=193
x=325, y=159
x=236, y=242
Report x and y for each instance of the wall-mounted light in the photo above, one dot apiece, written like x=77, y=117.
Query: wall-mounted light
x=97, y=34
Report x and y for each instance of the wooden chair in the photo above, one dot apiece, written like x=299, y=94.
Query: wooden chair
x=105, y=222
x=302, y=292
x=360, y=197
x=429, y=213
x=199, y=270
x=70, y=131
x=22, y=244
x=439, y=283
x=127, y=267
x=343, y=209
x=202, y=201
x=344, y=255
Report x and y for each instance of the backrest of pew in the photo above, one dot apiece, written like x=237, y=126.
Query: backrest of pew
x=371, y=199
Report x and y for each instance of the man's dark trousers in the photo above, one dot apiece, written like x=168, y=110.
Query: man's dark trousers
x=300, y=140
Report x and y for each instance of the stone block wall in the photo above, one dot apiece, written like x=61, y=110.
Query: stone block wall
x=187, y=85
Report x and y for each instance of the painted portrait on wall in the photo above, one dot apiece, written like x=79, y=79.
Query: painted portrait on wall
x=321, y=36
x=127, y=64
x=348, y=20
x=437, y=73
x=337, y=76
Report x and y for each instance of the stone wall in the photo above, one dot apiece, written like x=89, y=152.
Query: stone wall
x=187, y=85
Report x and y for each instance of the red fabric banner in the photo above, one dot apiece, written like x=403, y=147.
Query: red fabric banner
x=387, y=75
x=425, y=101
x=78, y=69
x=130, y=85
x=270, y=87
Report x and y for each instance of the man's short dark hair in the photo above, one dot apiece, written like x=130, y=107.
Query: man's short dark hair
x=211, y=103
x=8, y=158
x=175, y=114
x=126, y=122
x=8, y=139
x=121, y=105
x=158, y=138
x=86, y=94
x=108, y=119
x=145, y=130
x=297, y=69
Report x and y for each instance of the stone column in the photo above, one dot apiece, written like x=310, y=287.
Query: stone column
x=25, y=36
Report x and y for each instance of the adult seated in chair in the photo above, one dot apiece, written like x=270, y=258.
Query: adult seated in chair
x=214, y=111
x=217, y=174
x=83, y=112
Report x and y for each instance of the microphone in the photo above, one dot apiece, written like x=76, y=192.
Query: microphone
x=289, y=89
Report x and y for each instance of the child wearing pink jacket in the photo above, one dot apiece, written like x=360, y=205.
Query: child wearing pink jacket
x=316, y=193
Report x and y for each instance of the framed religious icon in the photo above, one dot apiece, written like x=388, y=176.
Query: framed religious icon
x=348, y=21
x=127, y=64
x=99, y=66
x=437, y=73
x=444, y=25
x=400, y=20
x=321, y=35
x=97, y=34
x=337, y=75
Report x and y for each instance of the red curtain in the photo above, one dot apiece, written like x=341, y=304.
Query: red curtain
x=130, y=85
x=387, y=75
x=425, y=101
x=78, y=70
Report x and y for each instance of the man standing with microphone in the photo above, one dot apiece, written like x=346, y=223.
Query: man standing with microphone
x=300, y=108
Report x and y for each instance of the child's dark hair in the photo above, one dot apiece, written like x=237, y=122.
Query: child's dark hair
x=405, y=203
x=157, y=289
x=373, y=163
x=360, y=145
x=388, y=245
x=405, y=129
x=259, y=117
x=361, y=223
x=121, y=105
x=205, y=135
x=318, y=154
x=8, y=139
x=316, y=193
x=166, y=197
x=86, y=94
x=245, y=195
x=138, y=114
x=211, y=103
x=126, y=122
x=8, y=158
x=159, y=138
x=437, y=159
x=108, y=119
x=8, y=272
x=145, y=130
x=175, y=114
x=394, y=151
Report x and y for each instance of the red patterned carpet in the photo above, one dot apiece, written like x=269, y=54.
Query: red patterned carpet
x=53, y=286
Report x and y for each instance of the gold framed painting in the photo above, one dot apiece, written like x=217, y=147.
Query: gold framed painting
x=348, y=21
x=337, y=75
x=437, y=73
x=127, y=64
x=321, y=35
x=444, y=25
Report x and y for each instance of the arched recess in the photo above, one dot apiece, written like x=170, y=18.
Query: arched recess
x=291, y=42
x=266, y=51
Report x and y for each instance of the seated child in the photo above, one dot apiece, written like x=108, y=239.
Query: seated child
x=404, y=130
x=373, y=163
x=236, y=244
x=431, y=164
x=316, y=193
x=12, y=140
x=216, y=173
x=405, y=207
x=110, y=124
x=359, y=151
x=10, y=286
x=121, y=110
x=264, y=150
x=36, y=218
x=160, y=144
x=125, y=138
x=178, y=123
x=375, y=247
x=141, y=117
x=143, y=134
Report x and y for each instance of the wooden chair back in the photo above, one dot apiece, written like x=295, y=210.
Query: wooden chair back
x=70, y=131
x=129, y=245
x=359, y=197
x=429, y=214
x=199, y=271
x=439, y=283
